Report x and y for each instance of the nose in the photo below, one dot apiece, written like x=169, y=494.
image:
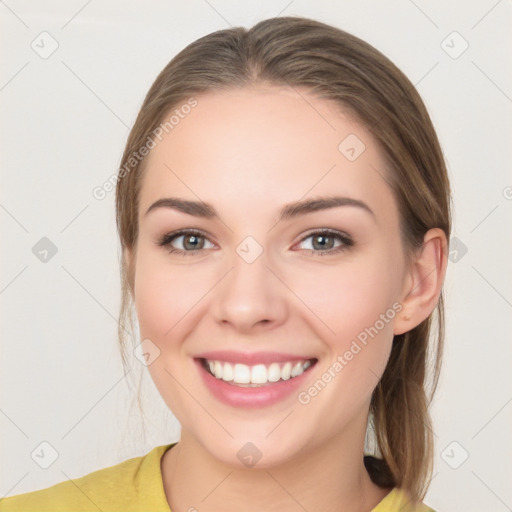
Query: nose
x=250, y=298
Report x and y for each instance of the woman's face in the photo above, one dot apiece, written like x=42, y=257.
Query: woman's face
x=263, y=290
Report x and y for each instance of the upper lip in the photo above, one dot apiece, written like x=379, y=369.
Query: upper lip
x=250, y=359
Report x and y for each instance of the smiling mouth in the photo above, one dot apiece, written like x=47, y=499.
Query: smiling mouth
x=258, y=375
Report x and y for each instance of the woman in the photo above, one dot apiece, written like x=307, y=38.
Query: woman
x=283, y=211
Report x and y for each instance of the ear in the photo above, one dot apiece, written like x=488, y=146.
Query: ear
x=423, y=284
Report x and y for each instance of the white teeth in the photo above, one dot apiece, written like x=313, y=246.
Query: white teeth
x=286, y=371
x=258, y=374
x=228, y=373
x=297, y=370
x=241, y=374
x=274, y=372
x=218, y=370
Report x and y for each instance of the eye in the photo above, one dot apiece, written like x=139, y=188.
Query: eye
x=326, y=241
x=191, y=242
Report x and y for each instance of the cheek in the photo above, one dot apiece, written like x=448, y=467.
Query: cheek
x=153, y=302
x=163, y=299
x=350, y=296
x=164, y=295
x=355, y=305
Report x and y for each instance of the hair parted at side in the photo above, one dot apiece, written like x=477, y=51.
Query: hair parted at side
x=335, y=65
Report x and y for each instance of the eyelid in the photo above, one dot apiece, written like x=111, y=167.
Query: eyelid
x=166, y=239
x=345, y=238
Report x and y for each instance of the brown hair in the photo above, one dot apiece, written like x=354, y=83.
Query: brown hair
x=335, y=65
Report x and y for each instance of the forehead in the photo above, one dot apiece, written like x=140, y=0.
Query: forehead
x=238, y=146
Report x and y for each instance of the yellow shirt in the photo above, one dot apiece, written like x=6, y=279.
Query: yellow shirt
x=134, y=485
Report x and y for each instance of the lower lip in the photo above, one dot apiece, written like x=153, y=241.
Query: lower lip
x=251, y=397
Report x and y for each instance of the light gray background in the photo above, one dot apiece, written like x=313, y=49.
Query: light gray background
x=65, y=119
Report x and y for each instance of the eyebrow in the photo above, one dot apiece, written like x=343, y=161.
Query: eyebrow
x=291, y=210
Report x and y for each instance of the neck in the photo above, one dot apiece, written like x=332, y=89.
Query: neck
x=330, y=477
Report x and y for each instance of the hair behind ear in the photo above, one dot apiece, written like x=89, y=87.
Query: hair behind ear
x=400, y=407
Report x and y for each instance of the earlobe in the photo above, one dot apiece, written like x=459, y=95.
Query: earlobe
x=424, y=282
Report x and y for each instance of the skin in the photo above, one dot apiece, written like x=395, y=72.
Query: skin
x=248, y=153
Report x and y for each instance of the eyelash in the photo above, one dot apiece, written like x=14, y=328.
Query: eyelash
x=344, y=238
